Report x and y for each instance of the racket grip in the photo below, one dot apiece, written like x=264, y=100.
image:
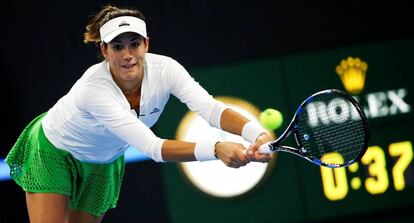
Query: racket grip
x=265, y=148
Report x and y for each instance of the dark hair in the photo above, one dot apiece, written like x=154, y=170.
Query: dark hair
x=107, y=13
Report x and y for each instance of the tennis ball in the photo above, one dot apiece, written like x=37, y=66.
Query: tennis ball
x=271, y=119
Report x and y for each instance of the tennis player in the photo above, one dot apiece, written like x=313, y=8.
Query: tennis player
x=70, y=159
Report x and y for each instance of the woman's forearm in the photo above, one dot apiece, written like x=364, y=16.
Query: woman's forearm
x=232, y=121
x=178, y=151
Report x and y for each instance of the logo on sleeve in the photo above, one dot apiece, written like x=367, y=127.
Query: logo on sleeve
x=155, y=110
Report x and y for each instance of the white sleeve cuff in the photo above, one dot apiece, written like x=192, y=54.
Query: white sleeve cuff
x=251, y=131
x=215, y=115
x=155, y=150
x=205, y=150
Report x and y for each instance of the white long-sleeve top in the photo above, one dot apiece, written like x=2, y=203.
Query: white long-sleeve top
x=95, y=123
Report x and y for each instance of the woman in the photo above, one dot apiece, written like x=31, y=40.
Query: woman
x=70, y=160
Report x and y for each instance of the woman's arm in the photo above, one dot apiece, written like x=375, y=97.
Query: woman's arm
x=232, y=121
x=178, y=151
x=230, y=153
x=217, y=114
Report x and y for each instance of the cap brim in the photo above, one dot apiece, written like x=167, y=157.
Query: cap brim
x=118, y=32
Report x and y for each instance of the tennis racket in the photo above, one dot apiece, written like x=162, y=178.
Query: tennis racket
x=330, y=129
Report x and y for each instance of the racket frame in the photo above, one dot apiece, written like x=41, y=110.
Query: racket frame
x=277, y=146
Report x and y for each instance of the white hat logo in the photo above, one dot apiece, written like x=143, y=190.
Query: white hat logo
x=123, y=23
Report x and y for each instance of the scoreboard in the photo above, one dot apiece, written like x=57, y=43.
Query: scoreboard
x=379, y=76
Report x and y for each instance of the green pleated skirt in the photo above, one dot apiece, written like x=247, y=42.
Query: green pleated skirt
x=38, y=166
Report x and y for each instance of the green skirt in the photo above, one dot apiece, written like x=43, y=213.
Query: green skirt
x=38, y=166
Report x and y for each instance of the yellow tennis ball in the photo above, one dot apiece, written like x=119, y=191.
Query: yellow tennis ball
x=271, y=119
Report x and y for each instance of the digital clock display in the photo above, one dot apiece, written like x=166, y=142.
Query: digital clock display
x=382, y=179
x=373, y=166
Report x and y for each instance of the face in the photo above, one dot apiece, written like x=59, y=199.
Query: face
x=125, y=55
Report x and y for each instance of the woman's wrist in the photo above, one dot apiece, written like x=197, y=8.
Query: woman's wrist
x=215, y=149
x=262, y=134
x=205, y=150
x=252, y=131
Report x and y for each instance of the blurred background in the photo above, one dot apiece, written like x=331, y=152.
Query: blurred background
x=264, y=54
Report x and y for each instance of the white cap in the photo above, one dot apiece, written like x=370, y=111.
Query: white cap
x=123, y=24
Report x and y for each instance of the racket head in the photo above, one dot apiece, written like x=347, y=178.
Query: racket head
x=331, y=129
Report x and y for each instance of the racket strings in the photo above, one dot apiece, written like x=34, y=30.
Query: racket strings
x=341, y=149
x=333, y=133
x=326, y=149
x=332, y=130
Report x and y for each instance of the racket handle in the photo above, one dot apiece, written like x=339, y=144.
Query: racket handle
x=265, y=148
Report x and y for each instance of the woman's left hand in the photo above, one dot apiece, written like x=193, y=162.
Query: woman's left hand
x=254, y=155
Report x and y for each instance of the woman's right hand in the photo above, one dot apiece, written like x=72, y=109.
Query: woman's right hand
x=232, y=154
